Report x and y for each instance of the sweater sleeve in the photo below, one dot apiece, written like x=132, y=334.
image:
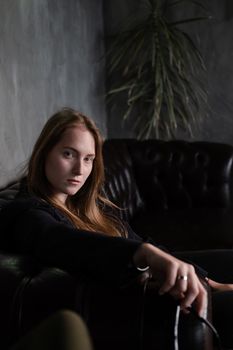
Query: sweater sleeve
x=35, y=231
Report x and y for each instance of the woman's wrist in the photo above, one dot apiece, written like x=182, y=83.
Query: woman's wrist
x=143, y=269
x=140, y=258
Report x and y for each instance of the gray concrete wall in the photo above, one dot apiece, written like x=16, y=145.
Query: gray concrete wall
x=51, y=55
x=215, y=40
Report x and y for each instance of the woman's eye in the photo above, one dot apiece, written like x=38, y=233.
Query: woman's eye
x=68, y=154
x=89, y=159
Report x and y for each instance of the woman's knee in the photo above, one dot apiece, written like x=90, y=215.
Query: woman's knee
x=64, y=330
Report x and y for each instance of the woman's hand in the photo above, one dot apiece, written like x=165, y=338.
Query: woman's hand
x=220, y=287
x=173, y=276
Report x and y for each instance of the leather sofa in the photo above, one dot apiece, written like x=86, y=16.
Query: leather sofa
x=167, y=190
x=179, y=193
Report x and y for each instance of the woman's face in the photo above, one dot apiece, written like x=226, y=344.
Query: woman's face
x=70, y=162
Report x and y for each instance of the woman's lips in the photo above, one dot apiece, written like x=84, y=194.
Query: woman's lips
x=74, y=182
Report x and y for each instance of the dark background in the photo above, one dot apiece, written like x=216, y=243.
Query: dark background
x=214, y=38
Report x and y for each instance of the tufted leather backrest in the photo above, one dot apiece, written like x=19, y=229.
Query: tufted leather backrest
x=120, y=184
x=29, y=293
x=170, y=174
x=183, y=174
x=163, y=174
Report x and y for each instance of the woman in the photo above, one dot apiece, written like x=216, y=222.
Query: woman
x=65, y=220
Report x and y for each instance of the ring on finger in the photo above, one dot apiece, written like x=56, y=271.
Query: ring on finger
x=182, y=277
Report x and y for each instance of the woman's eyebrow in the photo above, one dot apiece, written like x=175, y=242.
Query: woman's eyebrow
x=76, y=151
x=91, y=154
x=71, y=148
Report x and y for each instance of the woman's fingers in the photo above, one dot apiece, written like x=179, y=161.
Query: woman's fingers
x=176, y=276
x=183, y=284
x=199, y=301
x=168, y=279
x=173, y=276
x=190, y=295
x=223, y=287
x=182, y=281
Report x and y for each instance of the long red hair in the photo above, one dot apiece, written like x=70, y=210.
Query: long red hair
x=86, y=208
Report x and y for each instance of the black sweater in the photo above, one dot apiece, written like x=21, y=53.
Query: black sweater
x=32, y=226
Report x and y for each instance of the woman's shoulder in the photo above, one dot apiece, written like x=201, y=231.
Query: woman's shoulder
x=29, y=207
x=19, y=205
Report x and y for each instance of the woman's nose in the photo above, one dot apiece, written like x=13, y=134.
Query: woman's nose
x=78, y=168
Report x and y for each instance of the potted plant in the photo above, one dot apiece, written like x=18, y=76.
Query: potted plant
x=159, y=69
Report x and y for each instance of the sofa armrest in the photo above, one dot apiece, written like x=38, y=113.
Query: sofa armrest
x=142, y=317
x=31, y=293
